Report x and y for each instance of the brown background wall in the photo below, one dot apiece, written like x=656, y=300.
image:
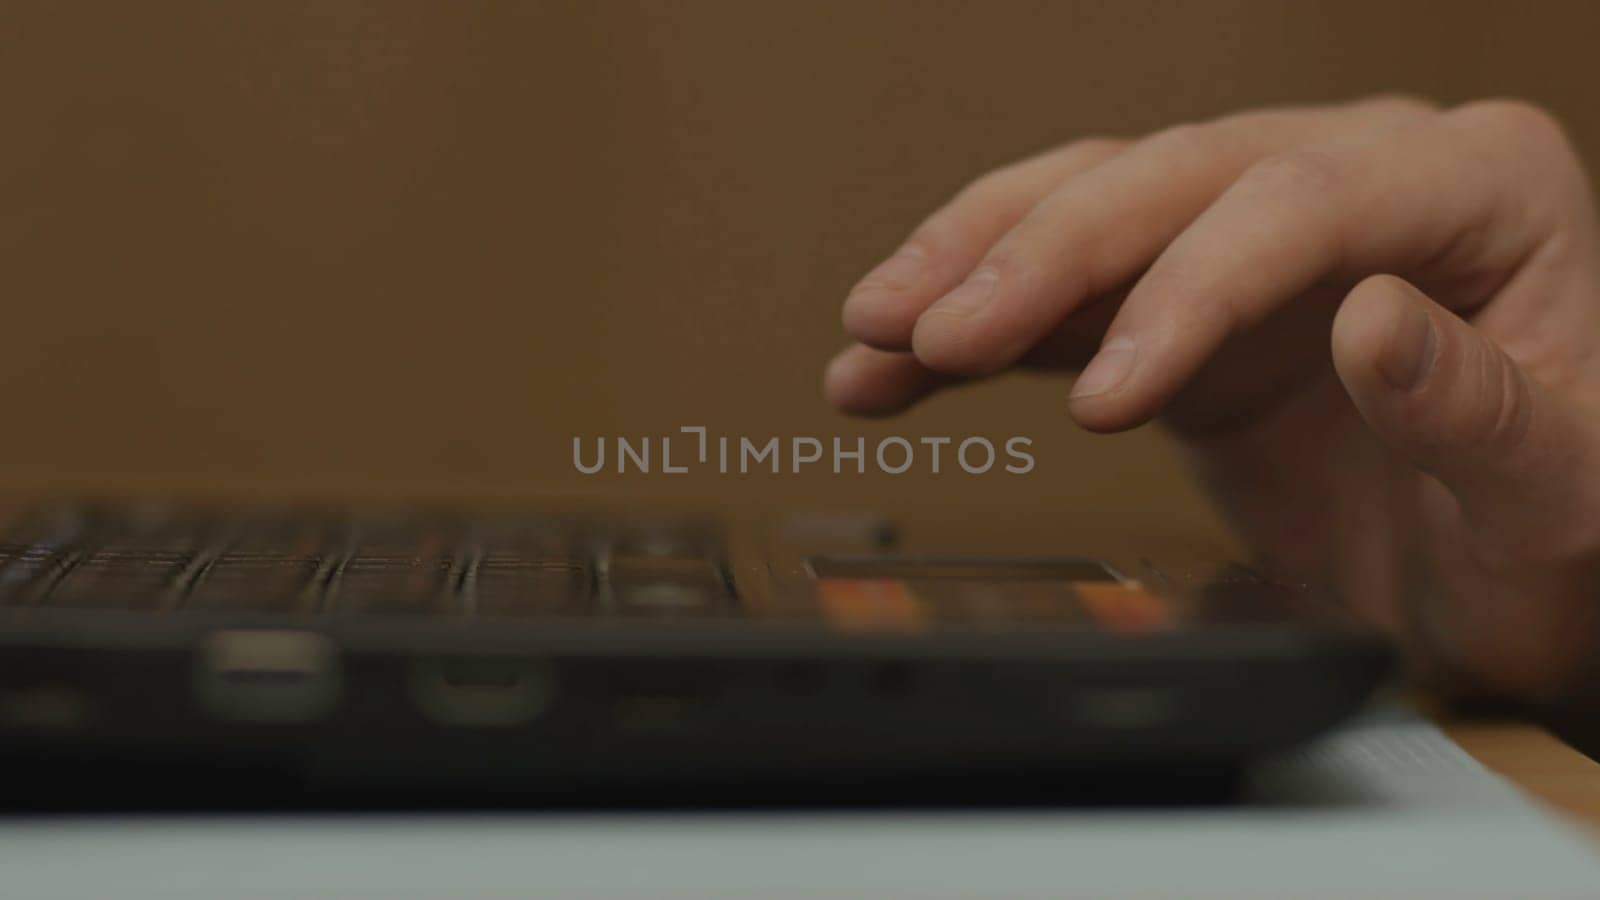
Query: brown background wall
x=405, y=248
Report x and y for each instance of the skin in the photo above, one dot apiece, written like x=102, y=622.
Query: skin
x=1374, y=327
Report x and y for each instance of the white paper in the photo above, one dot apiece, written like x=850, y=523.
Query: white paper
x=1387, y=807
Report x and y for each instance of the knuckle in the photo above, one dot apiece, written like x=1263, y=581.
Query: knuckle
x=1400, y=103
x=1304, y=170
x=1496, y=406
x=1190, y=139
x=1008, y=180
x=1526, y=123
x=1515, y=133
x=1093, y=149
x=996, y=181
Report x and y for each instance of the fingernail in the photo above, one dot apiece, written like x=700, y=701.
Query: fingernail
x=836, y=368
x=1109, y=368
x=1408, y=355
x=970, y=296
x=897, y=273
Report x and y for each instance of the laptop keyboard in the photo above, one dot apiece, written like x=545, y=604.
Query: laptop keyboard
x=90, y=558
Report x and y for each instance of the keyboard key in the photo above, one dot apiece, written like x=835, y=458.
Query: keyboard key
x=159, y=558
x=668, y=588
x=507, y=587
x=121, y=579
x=400, y=565
x=25, y=568
x=257, y=582
x=391, y=584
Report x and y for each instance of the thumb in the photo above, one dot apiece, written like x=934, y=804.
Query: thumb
x=1519, y=460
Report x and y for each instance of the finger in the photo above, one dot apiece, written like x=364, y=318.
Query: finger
x=882, y=309
x=865, y=381
x=1101, y=229
x=1516, y=480
x=1523, y=465
x=1075, y=340
x=1424, y=199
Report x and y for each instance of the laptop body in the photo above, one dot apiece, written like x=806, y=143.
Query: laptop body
x=244, y=657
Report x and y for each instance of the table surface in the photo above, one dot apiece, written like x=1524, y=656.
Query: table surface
x=1536, y=761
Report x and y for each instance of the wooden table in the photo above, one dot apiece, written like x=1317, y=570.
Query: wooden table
x=1536, y=761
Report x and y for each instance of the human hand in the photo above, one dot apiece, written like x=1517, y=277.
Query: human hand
x=1376, y=327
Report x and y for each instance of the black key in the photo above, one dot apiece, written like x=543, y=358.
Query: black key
x=27, y=568
x=527, y=566
x=39, y=545
x=506, y=586
x=118, y=578
x=395, y=584
x=272, y=564
x=259, y=582
x=400, y=565
x=133, y=558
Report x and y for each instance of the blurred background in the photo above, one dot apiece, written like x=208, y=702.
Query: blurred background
x=406, y=249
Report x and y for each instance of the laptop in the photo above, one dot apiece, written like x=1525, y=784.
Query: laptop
x=179, y=655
